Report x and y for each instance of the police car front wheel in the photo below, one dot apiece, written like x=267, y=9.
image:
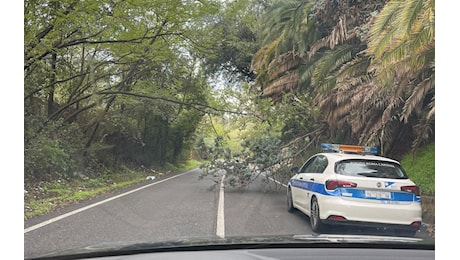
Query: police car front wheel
x=290, y=204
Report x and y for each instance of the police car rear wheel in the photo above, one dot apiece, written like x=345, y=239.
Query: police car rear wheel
x=315, y=220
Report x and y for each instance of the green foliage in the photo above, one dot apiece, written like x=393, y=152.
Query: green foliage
x=203, y=149
x=420, y=166
x=52, y=152
x=108, y=83
x=235, y=27
x=182, y=166
x=261, y=157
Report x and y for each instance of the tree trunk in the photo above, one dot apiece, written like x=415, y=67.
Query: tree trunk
x=53, y=79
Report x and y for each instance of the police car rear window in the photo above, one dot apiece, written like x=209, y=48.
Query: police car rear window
x=370, y=168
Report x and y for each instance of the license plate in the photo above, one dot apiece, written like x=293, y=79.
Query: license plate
x=378, y=194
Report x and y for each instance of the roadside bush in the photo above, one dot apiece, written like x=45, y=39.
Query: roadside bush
x=420, y=166
x=52, y=152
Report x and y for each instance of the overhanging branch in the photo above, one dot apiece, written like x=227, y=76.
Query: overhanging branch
x=198, y=106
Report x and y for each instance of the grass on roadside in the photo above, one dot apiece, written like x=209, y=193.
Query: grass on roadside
x=190, y=164
x=73, y=191
x=420, y=166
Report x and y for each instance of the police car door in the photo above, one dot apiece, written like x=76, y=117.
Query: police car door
x=309, y=181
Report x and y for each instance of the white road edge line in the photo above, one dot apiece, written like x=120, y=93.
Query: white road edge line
x=220, y=229
x=98, y=203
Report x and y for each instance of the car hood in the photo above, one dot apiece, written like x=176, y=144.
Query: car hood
x=238, y=242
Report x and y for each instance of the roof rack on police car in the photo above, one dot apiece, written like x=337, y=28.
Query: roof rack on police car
x=346, y=148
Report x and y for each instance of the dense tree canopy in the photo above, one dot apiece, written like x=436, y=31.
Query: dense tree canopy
x=154, y=82
x=109, y=82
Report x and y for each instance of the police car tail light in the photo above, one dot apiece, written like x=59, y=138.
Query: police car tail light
x=413, y=189
x=349, y=148
x=334, y=184
x=416, y=224
x=336, y=218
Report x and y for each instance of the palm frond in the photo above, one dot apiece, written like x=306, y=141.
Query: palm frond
x=409, y=15
x=338, y=35
x=380, y=33
x=415, y=100
x=423, y=132
x=430, y=112
x=282, y=64
x=286, y=83
x=329, y=62
x=355, y=69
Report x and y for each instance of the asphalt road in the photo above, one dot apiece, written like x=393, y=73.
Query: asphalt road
x=177, y=208
x=174, y=208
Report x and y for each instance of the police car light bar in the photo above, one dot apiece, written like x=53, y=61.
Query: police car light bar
x=349, y=148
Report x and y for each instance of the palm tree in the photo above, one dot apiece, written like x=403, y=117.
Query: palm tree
x=402, y=49
x=287, y=34
x=306, y=44
x=368, y=64
x=388, y=90
x=302, y=43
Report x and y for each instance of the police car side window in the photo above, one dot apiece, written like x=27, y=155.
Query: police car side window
x=316, y=164
x=308, y=166
x=321, y=163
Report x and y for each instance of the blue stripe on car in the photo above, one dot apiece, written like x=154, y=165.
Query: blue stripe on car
x=351, y=192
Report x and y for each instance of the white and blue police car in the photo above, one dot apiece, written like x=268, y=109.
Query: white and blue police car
x=352, y=185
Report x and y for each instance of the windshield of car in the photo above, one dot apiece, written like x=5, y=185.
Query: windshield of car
x=167, y=122
x=370, y=168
